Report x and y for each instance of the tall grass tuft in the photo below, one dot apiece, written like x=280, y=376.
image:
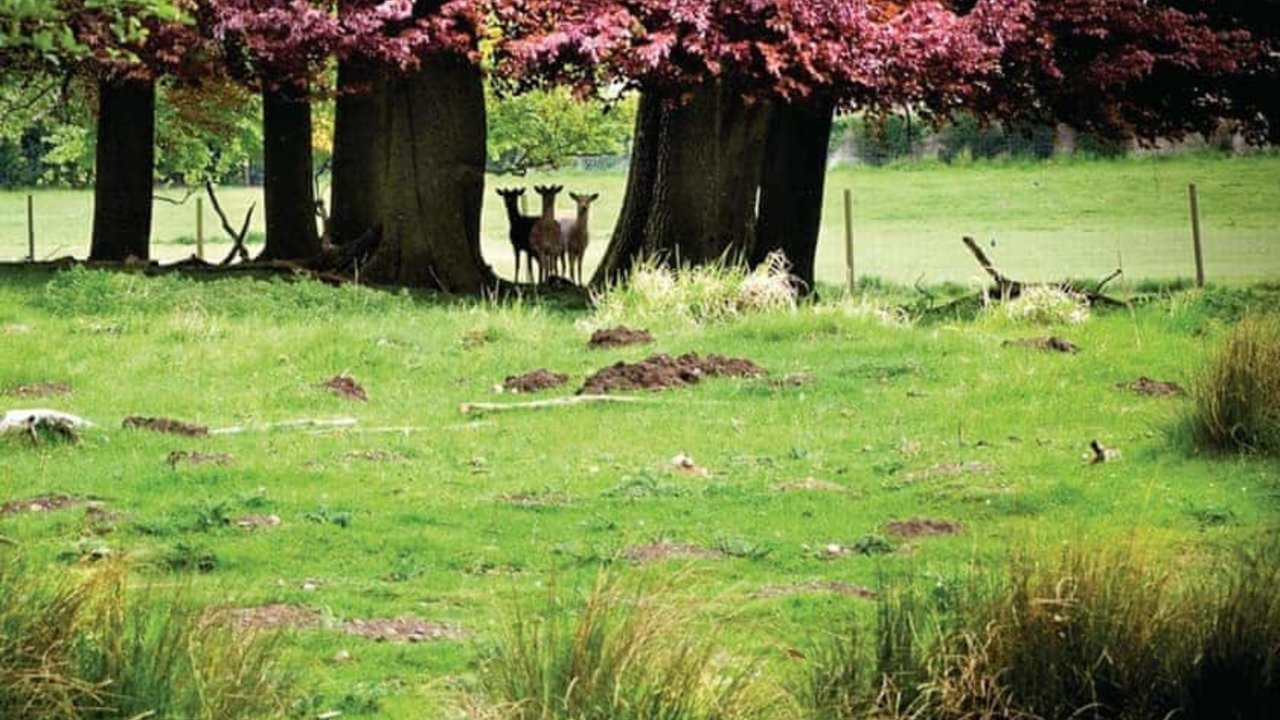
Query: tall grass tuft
x=709, y=293
x=616, y=655
x=1237, y=398
x=97, y=650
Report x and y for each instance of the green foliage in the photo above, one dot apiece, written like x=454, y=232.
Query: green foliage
x=549, y=128
x=1237, y=398
x=96, y=650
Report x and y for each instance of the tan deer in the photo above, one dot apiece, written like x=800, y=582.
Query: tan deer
x=546, y=238
x=576, y=235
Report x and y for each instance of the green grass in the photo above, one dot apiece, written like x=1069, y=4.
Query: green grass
x=1049, y=220
x=434, y=534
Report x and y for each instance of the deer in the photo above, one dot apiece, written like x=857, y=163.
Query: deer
x=575, y=235
x=546, y=237
x=521, y=229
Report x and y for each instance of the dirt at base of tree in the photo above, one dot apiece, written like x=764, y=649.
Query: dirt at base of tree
x=667, y=551
x=165, y=425
x=199, y=458
x=401, y=630
x=1156, y=388
x=663, y=371
x=347, y=387
x=919, y=527
x=815, y=586
x=1053, y=343
x=39, y=503
x=540, y=379
x=618, y=337
x=38, y=390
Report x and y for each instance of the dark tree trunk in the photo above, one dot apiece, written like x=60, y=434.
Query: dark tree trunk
x=433, y=180
x=124, y=163
x=791, y=191
x=289, y=194
x=628, y=235
x=356, y=152
x=691, y=197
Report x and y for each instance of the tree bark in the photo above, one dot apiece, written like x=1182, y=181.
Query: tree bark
x=691, y=197
x=791, y=191
x=289, y=194
x=357, y=147
x=124, y=164
x=433, y=180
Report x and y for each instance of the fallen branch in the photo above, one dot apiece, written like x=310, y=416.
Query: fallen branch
x=1005, y=287
x=237, y=238
x=467, y=408
x=24, y=420
x=288, y=425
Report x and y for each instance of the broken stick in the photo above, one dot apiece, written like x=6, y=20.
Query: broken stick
x=467, y=408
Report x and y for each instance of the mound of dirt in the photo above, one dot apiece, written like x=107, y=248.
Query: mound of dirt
x=38, y=390
x=815, y=586
x=663, y=371
x=667, y=551
x=540, y=379
x=252, y=522
x=165, y=425
x=918, y=527
x=1053, y=343
x=1157, y=388
x=347, y=387
x=199, y=458
x=401, y=630
x=618, y=336
x=39, y=503
x=275, y=616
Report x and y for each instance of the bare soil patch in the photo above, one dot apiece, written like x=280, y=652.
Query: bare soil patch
x=973, y=467
x=275, y=617
x=815, y=586
x=668, y=551
x=536, y=499
x=39, y=503
x=38, y=390
x=618, y=337
x=1053, y=343
x=346, y=386
x=165, y=425
x=1156, y=388
x=192, y=457
x=662, y=371
x=813, y=484
x=374, y=456
x=919, y=527
x=535, y=381
x=401, y=630
x=796, y=379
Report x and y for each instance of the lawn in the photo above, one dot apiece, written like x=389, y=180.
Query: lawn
x=421, y=511
x=1044, y=220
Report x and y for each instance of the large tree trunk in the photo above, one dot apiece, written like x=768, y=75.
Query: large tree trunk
x=691, y=197
x=791, y=191
x=628, y=235
x=433, y=180
x=288, y=191
x=358, y=122
x=124, y=163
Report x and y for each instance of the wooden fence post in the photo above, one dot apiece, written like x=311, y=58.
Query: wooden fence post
x=848, y=239
x=31, y=228
x=1195, y=234
x=200, y=228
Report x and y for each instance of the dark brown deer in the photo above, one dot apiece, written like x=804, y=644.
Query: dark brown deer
x=521, y=229
x=546, y=238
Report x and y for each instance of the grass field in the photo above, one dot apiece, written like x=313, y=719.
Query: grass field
x=420, y=511
x=1078, y=218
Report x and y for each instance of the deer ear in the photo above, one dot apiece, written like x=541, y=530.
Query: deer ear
x=594, y=197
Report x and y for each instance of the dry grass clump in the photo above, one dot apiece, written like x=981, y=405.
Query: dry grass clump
x=1237, y=398
x=1045, y=305
x=704, y=294
x=95, y=650
x=1093, y=635
x=616, y=655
